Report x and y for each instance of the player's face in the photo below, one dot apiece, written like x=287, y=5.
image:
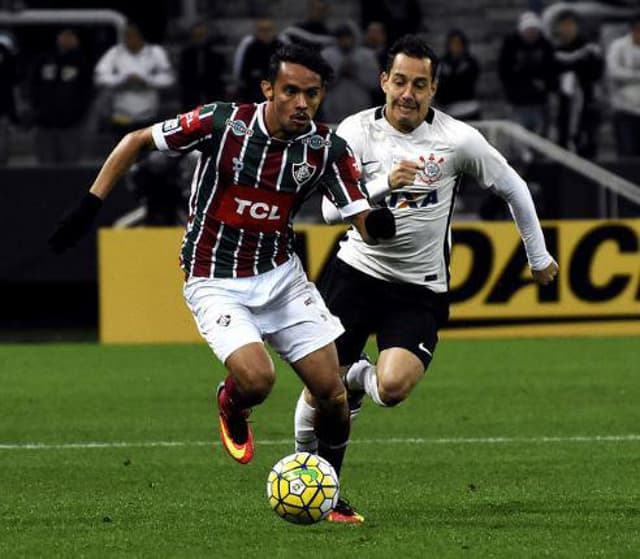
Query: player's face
x=293, y=100
x=409, y=90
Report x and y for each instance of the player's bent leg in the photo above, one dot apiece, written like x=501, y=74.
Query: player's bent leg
x=251, y=377
x=332, y=415
x=304, y=416
x=319, y=372
x=307, y=441
x=398, y=372
x=331, y=418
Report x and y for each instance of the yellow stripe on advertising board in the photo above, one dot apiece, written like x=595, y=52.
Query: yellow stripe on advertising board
x=140, y=287
x=598, y=289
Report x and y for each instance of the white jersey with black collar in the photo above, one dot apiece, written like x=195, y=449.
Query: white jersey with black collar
x=446, y=148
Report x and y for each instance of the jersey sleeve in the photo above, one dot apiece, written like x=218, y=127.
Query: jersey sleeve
x=480, y=159
x=185, y=132
x=492, y=170
x=341, y=181
x=352, y=131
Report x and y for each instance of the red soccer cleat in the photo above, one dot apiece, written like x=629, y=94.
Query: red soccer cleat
x=235, y=433
x=344, y=513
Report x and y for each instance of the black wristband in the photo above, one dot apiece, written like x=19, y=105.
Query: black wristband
x=75, y=224
x=90, y=204
x=380, y=223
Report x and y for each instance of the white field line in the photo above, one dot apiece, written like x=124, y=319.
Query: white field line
x=395, y=441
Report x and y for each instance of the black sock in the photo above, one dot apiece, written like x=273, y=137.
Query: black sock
x=333, y=454
x=332, y=426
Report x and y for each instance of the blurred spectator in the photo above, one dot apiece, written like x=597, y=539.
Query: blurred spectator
x=459, y=72
x=8, y=80
x=623, y=69
x=60, y=86
x=526, y=67
x=201, y=69
x=313, y=31
x=400, y=16
x=375, y=38
x=356, y=74
x=134, y=71
x=580, y=67
x=251, y=61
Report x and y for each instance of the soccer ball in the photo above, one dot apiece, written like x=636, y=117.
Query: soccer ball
x=302, y=488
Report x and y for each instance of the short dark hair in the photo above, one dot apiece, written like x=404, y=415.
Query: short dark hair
x=415, y=47
x=299, y=54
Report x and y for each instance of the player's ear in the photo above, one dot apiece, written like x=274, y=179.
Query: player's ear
x=267, y=89
x=384, y=78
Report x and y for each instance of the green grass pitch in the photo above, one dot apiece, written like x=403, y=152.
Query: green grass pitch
x=525, y=448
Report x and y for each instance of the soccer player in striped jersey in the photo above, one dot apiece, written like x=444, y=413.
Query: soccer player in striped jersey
x=244, y=283
x=398, y=290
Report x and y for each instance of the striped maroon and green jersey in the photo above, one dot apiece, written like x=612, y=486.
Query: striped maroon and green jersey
x=248, y=185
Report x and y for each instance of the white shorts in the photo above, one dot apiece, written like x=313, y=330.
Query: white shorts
x=281, y=307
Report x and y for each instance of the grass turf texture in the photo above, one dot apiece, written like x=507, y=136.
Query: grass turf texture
x=523, y=497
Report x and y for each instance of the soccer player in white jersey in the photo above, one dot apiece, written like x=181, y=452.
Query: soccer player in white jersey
x=243, y=282
x=399, y=290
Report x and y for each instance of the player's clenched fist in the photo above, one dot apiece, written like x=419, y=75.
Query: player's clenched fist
x=546, y=275
x=403, y=174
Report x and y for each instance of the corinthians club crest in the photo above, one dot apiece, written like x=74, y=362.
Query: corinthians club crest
x=302, y=172
x=431, y=170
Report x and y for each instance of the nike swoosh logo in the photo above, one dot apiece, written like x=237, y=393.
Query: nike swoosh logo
x=422, y=347
x=365, y=163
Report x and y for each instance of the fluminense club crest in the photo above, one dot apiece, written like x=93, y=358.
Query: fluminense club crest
x=431, y=170
x=302, y=172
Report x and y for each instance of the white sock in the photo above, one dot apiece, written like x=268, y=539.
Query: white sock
x=356, y=374
x=362, y=376
x=305, y=436
x=371, y=385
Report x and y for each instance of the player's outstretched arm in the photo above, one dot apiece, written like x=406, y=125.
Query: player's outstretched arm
x=514, y=191
x=120, y=161
x=402, y=174
x=78, y=221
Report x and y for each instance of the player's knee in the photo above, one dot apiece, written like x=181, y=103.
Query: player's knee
x=393, y=391
x=256, y=382
x=332, y=401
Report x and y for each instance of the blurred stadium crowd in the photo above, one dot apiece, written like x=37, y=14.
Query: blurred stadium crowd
x=73, y=90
